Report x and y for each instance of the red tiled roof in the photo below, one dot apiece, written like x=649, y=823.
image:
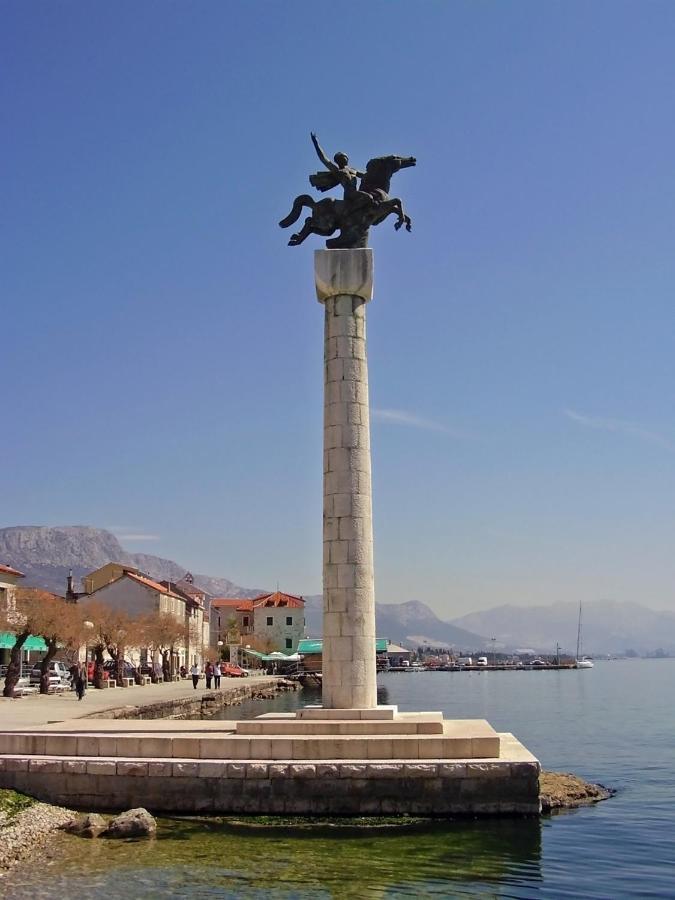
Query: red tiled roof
x=278, y=598
x=8, y=570
x=231, y=603
x=153, y=584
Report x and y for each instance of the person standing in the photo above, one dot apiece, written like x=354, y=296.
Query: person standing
x=208, y=671
x=216, y=676
x=80, y=682
x=194, y=671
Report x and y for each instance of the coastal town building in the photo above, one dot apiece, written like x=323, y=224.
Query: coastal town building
x=106, y=574
x=398, y=656
x=270, y=622
x=137, y=596
x=196, y=614
x=127, y=588
x=311, y=654
x=9, y=579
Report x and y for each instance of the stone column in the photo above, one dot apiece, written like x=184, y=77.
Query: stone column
x=344, y=284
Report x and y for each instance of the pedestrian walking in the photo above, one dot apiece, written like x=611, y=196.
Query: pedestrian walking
x=194, y=671
x=80, y=682
x=208, y=671
x=216, y=676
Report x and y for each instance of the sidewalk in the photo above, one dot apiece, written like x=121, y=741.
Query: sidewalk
x=41, y=709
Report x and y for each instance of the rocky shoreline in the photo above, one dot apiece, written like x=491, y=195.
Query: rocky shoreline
x=26, y=832
x=562, y=790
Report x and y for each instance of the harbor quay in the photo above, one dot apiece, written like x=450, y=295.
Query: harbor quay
x=223, y=767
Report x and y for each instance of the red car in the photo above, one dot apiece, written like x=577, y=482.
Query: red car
x=232, y=671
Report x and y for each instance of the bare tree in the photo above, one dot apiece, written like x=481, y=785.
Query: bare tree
x=61, y=626
x=113, y=630
x=162, y=633
x=20, y=617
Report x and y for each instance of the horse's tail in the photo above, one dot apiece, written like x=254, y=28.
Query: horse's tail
x=294, y=214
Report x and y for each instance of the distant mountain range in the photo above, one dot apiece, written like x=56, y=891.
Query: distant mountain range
x=46, y=554
x=607, y=627
x=412, y=624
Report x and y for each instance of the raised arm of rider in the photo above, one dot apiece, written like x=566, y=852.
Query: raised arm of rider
x=329, y=164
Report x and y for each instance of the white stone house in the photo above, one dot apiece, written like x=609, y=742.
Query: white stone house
x=276, y=621
x=138, y=596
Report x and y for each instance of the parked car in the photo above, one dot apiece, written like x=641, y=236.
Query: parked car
x=58, y=673
x=110, y=666
x=229, y=670
x=91, y=666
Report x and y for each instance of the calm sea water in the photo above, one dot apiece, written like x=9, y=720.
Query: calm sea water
x=614, y=724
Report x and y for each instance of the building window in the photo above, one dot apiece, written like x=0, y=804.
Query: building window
x=245, y=621
x=270, y=620
x=289, y=620
x=289, y=643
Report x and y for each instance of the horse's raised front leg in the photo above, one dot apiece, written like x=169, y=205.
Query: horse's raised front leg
x=403, y=219
x=303, y=234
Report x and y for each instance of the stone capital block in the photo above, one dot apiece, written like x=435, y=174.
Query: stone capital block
x=343, y=272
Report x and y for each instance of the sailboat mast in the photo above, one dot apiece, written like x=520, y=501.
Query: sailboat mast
x=579, y=633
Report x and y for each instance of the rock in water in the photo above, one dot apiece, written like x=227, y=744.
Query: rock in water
x=89, y=826
x=561, y=790
x=133, y=823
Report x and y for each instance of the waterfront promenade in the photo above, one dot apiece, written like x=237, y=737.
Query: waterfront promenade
x=40, y=709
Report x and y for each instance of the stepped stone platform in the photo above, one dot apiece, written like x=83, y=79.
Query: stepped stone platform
x=315, y=762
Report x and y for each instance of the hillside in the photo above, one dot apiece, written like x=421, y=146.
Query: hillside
x=411, y=624
x=46, y=554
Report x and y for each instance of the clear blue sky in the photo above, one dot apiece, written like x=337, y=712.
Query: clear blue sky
x=162, y=347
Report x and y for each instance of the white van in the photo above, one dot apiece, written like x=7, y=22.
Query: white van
x=482, y=661
x=464, y=661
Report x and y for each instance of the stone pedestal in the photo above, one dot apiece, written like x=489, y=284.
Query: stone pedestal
x=344, y=285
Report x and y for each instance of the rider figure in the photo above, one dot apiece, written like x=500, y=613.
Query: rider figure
x=344, y=174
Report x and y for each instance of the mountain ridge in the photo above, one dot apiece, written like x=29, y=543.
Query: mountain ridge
x=45, y=554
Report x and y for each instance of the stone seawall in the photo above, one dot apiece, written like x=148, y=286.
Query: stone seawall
x=341, y=789
x=203, y=704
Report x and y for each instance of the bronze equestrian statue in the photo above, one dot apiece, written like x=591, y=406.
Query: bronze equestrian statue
x=363, y=205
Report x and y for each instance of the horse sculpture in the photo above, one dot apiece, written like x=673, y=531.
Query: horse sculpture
x=367, y=205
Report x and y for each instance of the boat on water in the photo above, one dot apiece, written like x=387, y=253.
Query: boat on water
x=583, y=662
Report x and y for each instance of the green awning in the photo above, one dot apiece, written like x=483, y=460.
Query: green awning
x=316, y=646
x=7, y=641
x=254, y=653
x=310, y=646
